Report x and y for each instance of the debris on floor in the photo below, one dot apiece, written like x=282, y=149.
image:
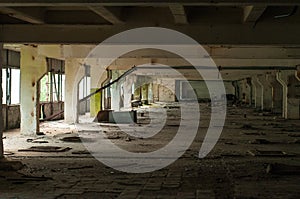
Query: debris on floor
x=260, y=141
x=71, y=139
x=9, y=165
x=264, y=153
x=46, y=149
x=248, y=126
x=283, y=169
x=254, y=133
x=294, y=134
x=83, y=167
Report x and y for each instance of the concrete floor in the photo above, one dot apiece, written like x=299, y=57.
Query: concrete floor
x=229, y=171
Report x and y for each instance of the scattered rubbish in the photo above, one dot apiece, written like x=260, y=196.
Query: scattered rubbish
x=290, y=130
x=254, y=133
x=83, y=167
x=45, y=149
x=37, y=141
x=8, y=165
x=268, y=153
x=283, y=169
x=40, y=141
x=40, y=133
x=260, y=141
x=128, y=139
x=26, y=178
x=113, y=137
x=71, y=139
x=294, y=134
x=82, y=152
x=230, y=143
x=247, y=126
x=8, y=153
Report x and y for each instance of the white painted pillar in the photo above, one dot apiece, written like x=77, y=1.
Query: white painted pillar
x=115, y=92
x=33, y=67
x=73, y=72
x=258, y=93
x=291, y=93
x=267, y=102
x=276, y=93
x=129, y=81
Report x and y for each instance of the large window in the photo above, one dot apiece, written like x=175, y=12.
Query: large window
x=11, y=77
x=52, y=87
x=11, y=86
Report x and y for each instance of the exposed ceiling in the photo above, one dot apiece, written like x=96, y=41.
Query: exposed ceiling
x=234, y=22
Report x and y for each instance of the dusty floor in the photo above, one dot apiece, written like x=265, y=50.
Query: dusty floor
x=257, y=156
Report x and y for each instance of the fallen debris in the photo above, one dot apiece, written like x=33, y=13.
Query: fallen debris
x=262, y=153
x=71, y=139
x=248, y=126
x=260, y=141
x=26, y=178
x=254, y=133
x=83, y=167
x=294, y=134
x=8, y=165
x=40, y=133
x=82, y=152
x=45, y=149
x=283, y=169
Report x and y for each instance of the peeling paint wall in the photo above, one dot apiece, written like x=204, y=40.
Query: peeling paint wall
x=33, y=67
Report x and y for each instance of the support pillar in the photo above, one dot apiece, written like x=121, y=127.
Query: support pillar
x=257, y=93
x=267, y=102
x=33, y=67
x=129, y=82
x=1, y=96
x=145, y=92
x=73, y=72
x=291, y=94
x=245, y=91
x=115, y=92
x=277, y=93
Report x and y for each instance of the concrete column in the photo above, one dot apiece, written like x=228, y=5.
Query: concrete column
x=33, y=67
x=74, y=72
x=244, y=91
x=129, y=81
x=1, y=96
x=291, y=94
x=277, y=93
x=257, y=93
x=145, y=92
x=267, y=102
x=115, y=92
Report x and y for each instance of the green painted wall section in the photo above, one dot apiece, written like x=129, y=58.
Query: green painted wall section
x=95, y=103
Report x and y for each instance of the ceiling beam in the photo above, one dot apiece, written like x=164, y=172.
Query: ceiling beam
x=106, y=13
x=214, y=34
x=253, y=13
x=179, y=14
x=147, y=2
x=30, y=15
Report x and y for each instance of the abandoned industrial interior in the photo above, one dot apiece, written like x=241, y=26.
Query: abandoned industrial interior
x=150, y=99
